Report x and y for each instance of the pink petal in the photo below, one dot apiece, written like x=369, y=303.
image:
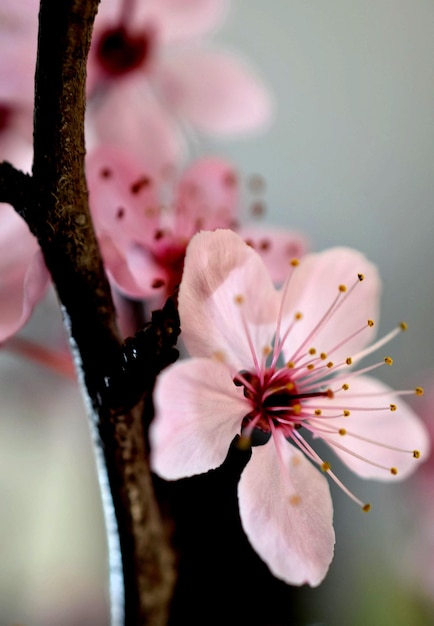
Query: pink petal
x=224, y=290
x=402, y=429
x=214, y=91
x=277, y=247
x=23, y=276
x=198, y=413
x=123, y=196
x=207, y=196
x=128, y=116
x=313, y=288
x=287, y=513
x=181, y=20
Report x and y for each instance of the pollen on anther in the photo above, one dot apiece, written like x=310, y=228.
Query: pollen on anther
x=342, y=288
x=295, y=499
x=312, y=351
x=349, y=361
x=310, y=366
x=239, y=299
x=294, y=262
x=330, y=364
x=388, y=360
x=326, y=466
x=419, y=391
x=342, y=431
x=290, y=364
x=416, y=454
x=345, y=386
x=323, y=356
x=266, y=350
x=219, y=356
x=361, y=277
x=393, y=407
x=366, y=508
x=298, y=316
x=296, y=408
x=371, y=323
x=347, y=413
x=330, y=393
x=394, y=471
x=403, y=326
x=318, y=412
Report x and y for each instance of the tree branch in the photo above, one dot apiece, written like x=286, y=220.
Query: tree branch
x=54, y=203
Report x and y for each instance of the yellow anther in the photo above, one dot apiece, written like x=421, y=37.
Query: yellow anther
x=371, y=323
x=394, y=471
x=239, y=299
x=416, y=454
x=393, y=407
x=289, y=386
x=296, y=408
x=325, y=466
x=330, y=364
x=349, y=361
x=403, y=326
x=330, y=393
x=388, y=360
x=342, y=288
x=298, y=316
x=419, y=391
x=219, y=356
x=361, y=277
x=318, y=412
x=342, y=431
x=295, y=499
x=345, y=387
x=323, y=356
x=294, y=262
x=266, y=350
x=366, y=508
x=312, y=351
x=346, y=413
x=310, y=366
x=243, y=443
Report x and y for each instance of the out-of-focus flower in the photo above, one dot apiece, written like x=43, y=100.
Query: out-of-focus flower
x=144, y=227
x=151, y=72
x=275, y=366
x=18, y=37
x=23, y=276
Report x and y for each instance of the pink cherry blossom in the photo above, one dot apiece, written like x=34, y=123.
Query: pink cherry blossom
x=277, y=368
x=144, y=226
x=151, y=72
x=23, y=276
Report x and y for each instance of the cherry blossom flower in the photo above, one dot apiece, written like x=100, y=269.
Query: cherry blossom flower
x=276, y=368
x=150, y=71
x=144, y=227
x=24, y=277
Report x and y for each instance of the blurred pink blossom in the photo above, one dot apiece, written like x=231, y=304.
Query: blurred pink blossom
x=151, y=74
x=276, y=365
x=144, y=226
x=24, y=278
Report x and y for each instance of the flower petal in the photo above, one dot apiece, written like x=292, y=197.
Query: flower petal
x=216, y=92
x=313, y=288
x=198, y=411
x=207, y=196
x=276, y=247
x=24, y=277
x=227, y=302
x=287, y=513
x=400, y=428
x=182, y=20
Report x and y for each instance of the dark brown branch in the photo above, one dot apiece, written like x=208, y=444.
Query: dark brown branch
x=54, y=203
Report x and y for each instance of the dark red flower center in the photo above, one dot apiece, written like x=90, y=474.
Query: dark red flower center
x=119, y=52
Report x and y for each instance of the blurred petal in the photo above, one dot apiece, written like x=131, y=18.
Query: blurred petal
x=313, y=288
x=400, y=429
x=179, y=20
x=24, y=277
x=287, y=513
x=207, y=196
x=216, y=92
x=218, y=299
x=277, y=247
x=198, y=413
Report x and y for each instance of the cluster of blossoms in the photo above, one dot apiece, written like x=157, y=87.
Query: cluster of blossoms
x=277, y=367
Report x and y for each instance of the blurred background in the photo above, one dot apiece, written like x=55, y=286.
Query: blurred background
x=348, y=160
